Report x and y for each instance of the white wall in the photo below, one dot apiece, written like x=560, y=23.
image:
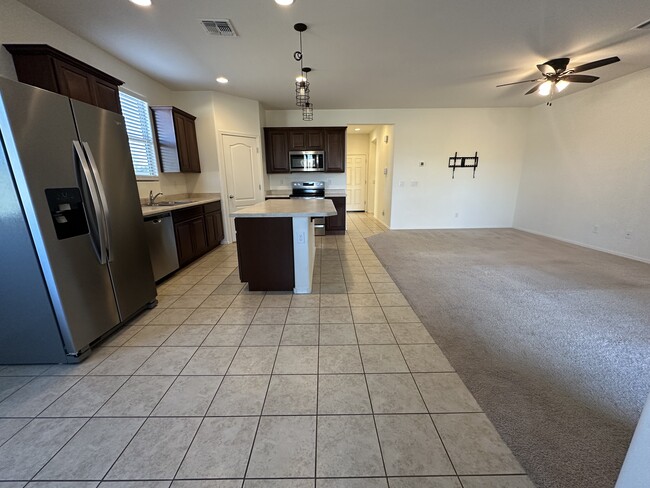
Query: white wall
x=588, y=164
x=357, y=144
x=432, y=135
x=384, y=136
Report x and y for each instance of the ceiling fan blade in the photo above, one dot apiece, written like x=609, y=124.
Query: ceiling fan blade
x=535, y=88
x=579, y=78
x=553, y=66
x=517, y=82
x=595, y=64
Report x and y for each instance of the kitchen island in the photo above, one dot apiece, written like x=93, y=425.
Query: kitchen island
x=276, y=244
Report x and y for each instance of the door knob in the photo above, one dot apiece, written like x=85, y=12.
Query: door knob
x=231, y=196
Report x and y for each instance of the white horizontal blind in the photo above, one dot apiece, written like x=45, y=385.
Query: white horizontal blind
x=138, y=128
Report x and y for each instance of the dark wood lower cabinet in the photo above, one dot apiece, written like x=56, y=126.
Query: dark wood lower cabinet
x=336, y=224
x=198, y=230
x=213, y=229
x=265, y=253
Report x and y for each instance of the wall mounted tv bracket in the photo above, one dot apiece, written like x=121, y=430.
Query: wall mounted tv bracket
x=457, y=161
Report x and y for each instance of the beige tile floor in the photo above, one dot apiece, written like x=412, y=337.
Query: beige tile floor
x=221, y=387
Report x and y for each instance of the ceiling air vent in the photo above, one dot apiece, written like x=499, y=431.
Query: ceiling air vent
x=644, y=25
x=219, y=27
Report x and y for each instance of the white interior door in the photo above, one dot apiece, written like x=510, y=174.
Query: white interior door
x=242, y=175
x=356, y=181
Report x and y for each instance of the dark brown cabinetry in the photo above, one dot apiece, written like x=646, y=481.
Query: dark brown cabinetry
x=335, y=150
x=277, y=150
x=178, y=149
x=213, y=224
x=336, y=224
x=48, y=68
x=255, y=236
x=305, y=139
x=198, y=229
x=280, y=140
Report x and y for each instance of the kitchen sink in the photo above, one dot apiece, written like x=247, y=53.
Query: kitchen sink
x=169, y=203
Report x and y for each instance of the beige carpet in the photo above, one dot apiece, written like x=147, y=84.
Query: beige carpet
x=552, y=339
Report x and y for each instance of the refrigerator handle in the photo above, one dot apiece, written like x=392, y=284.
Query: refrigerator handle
x=94, y=200
x=102, y=198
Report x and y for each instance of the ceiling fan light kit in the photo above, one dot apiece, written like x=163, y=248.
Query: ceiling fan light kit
x=556, y=76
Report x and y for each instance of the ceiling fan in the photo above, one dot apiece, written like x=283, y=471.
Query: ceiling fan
x=556, y=75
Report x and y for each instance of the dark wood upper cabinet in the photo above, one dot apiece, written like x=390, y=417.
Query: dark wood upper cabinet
x=48, y=68
x=335, y=150
x=305, y=140
x=277, y=150
x=175, y=131
x=280, y=140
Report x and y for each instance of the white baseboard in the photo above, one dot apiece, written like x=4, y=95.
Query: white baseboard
x=582, y=244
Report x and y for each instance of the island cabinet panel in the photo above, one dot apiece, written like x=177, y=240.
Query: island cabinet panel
x=265, y=253
x=336, y=224
x=178, y=148
x=277, y=150
x=48, y=68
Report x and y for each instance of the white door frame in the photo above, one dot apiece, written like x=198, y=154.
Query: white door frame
x=225, y=201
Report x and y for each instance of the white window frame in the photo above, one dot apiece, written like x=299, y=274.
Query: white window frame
x=148, y=141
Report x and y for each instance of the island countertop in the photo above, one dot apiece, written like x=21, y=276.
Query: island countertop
x=294, y=207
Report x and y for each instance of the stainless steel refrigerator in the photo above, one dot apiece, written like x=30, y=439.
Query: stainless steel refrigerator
x=74, y=262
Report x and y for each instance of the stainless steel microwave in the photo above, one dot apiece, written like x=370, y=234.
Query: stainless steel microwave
x=307, y=161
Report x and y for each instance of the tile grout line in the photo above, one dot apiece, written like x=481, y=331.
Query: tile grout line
x=268, y=387
x=372, y=409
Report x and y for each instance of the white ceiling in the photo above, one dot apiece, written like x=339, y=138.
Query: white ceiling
x=364, y=53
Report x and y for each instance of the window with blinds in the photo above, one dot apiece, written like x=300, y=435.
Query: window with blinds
x=138, y=128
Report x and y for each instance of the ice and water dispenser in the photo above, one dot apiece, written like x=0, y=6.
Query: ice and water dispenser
x=66, y=208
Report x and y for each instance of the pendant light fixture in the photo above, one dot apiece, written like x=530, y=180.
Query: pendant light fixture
x=303, y=99
x=302, y=88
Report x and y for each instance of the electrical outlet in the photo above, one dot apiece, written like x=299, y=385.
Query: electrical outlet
x=595, y=229
x=628, y=234
x=414, y=183
x=401, y=184
x=301, y=237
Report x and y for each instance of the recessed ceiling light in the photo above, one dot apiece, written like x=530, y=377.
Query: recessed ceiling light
x=284, y=3
x=357, y=129
x=142, y=3
x=222, y=79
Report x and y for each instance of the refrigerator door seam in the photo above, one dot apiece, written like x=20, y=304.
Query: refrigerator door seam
x=103, y=258
x=102, y=199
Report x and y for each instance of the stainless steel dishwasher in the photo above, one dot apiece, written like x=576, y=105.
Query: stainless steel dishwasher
x=162, y=244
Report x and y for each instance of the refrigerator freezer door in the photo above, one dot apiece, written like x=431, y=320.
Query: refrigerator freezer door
x=29, y=331
x=104, y=138
x=38, y=132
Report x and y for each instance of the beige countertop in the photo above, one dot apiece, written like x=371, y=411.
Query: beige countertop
x=286, y=193
x=192, y=200
x=295, y=207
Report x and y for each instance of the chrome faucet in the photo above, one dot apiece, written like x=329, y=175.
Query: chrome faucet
x=152, y=197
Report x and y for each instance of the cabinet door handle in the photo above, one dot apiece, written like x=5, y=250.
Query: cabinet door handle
x=231, y=196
